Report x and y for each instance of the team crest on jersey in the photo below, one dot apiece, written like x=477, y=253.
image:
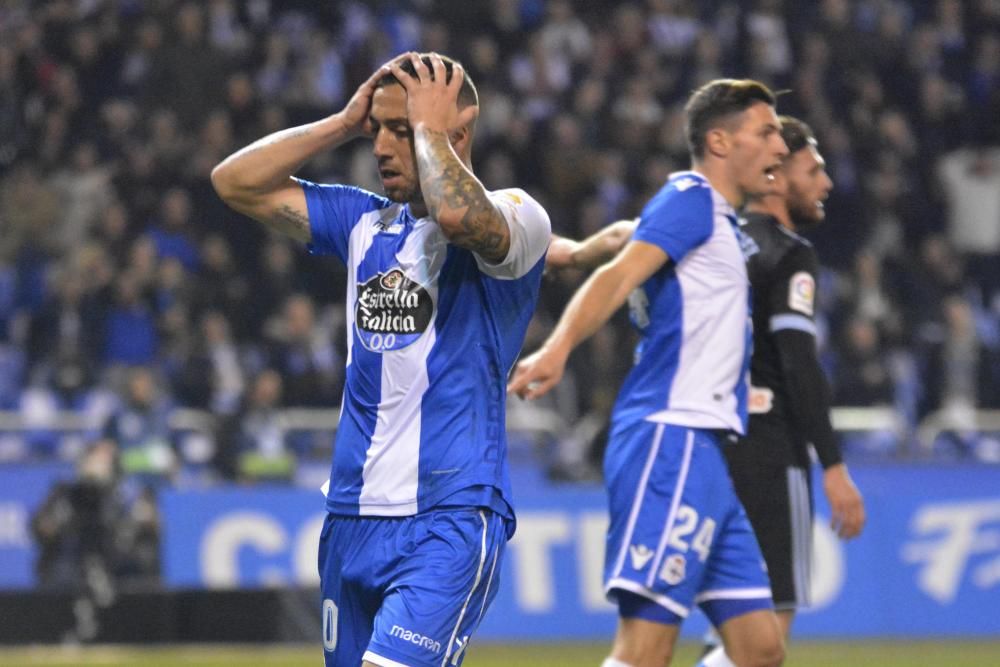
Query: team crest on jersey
x=802, y=293
x=392, y=311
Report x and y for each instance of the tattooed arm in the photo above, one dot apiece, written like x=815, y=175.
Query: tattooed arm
x=442, y=130
x=457, y=200
x=257, y=180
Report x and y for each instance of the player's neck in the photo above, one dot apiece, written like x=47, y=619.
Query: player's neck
x=773, y=206
x=716, y=176
x=418, y=209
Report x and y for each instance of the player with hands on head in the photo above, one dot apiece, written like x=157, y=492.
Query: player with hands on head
x=677, y=534
x=443, y=277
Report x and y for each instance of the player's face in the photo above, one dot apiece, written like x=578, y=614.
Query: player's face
x=393, y=144
x=808, y=185
x=757, y=149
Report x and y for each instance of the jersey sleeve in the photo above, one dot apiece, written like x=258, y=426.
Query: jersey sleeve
x=792, y=291
x=333, y=212
x=677, y=221
x=793, y=326
x=530, y=232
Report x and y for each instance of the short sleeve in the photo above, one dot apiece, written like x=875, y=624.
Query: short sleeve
x=530, y=232
x=792, y=297
x=677, y=220
x=333, y=212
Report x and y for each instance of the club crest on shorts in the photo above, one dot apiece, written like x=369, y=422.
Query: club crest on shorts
x=674, y=569
x=391, y=311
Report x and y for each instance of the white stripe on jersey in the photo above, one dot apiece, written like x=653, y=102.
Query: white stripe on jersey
x=713, y=283
x=359, y=242
x=392, y=462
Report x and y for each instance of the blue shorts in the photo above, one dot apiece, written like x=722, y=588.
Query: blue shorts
x=408, y=590
x=678, y=535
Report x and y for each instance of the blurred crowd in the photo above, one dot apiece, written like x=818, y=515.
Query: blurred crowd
x=127, y=288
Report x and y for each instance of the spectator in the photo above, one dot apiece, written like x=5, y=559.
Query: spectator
x=252, y=445
x=112, y=113
x=139, y=428
x=863, y=376
x=971, y=179
x=304, y=355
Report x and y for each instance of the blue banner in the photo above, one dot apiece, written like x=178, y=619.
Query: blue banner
x=241, y=537
x=22, y=490
x=928, y=562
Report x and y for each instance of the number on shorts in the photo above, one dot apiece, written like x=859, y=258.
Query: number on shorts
x=329, y=625
x=702, y=542
x=686, y=522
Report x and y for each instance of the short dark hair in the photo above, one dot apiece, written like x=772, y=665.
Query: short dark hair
x=467, y=95
x=796, y=133
x=715, y=102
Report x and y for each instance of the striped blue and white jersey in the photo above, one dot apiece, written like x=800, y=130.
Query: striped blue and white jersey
x=693, y=357
x=432, y=333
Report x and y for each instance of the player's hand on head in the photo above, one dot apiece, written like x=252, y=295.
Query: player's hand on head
x=356, y=113
x=536, y=374
x=431, y=100
x=846, y=505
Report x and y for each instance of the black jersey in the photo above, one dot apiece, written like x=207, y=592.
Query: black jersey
x=789, y=398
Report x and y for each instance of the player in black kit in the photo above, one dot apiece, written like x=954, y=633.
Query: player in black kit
x=789, y=397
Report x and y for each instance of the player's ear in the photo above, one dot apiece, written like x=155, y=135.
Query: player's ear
x=717, y=142
x=458, y=137
x=462, y=133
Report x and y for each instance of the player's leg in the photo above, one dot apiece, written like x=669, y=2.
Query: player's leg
x=660, y=534
x=785, y=619
x=778, y=503
x=441, y=580
x=646, y=633
x=736, y=595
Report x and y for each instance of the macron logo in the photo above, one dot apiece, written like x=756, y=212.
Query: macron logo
x=640, y=555
x=414, y=638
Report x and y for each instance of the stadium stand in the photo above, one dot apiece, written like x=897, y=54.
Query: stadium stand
x=116, y=254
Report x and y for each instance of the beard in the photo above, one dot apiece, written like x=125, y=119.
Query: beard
x=805, y=215
x=401, y=195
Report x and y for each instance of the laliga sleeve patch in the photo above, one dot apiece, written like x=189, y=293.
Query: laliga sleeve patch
x=802, y=293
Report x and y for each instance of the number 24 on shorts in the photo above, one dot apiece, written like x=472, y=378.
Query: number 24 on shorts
x=687, y=523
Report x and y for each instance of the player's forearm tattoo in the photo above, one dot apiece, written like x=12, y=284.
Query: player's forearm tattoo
x=289, y=221
x=446, y=184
